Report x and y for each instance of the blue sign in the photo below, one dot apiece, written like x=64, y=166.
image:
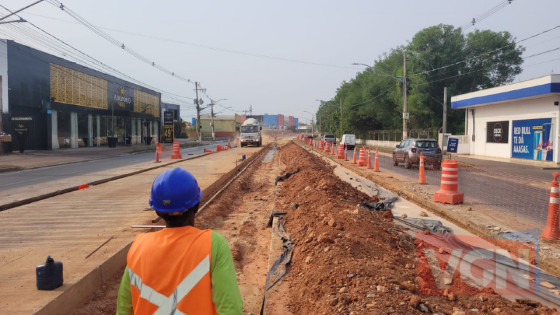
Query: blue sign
x=533, y=139
x=452, y=144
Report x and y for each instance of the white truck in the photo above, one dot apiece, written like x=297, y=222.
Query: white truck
x=251, y=132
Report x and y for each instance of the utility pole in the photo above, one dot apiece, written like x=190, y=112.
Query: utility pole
x=405, y=112
x=340, y=120
x=198, y=102
x=212, y=119
x=312, y=126
x=444, y=130
x=1, y=106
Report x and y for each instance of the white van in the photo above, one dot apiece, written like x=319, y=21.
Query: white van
x=349, y=141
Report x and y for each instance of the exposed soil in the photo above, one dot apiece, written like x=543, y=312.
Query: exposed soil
x=346, y=260
x=240, y=214
x=350, y=260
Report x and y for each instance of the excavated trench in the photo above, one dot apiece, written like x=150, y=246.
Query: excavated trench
x=345, y=258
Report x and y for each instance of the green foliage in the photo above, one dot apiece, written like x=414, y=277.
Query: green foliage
x=179, y=128
x=437, y=57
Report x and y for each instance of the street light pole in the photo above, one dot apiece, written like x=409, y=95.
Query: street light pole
x=403, y=80
x=405, y=112
x=212, y=116
x=198, y=102
x=212, y=120
x=6, y=22
x=312, y=122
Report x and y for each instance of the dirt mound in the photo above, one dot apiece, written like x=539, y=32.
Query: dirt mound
x=350, y=260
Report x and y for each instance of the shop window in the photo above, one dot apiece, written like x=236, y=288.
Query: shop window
x=83, y=136
x=103, y=130
x=63, y=129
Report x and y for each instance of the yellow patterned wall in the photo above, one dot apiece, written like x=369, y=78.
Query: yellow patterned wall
x=146, y=103
x=77, y=88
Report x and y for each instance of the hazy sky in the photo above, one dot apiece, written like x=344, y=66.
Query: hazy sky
x=278, y=56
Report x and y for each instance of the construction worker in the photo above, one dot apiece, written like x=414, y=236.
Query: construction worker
x=179, y=269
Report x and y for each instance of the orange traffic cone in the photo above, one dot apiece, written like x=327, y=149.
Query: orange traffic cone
x=376, y=163
x=422, y=175
x=340, y=152
x=157, y=157
x=354, y=157
x=369, y=159
x=176, y=151
x=448, y=192
x=345, y=153
x=552, y=231
x=158, y=152
x=332, y=148
x=362, y=161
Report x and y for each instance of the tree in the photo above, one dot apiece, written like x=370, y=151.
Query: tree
x=179, y=128
x=437, y=57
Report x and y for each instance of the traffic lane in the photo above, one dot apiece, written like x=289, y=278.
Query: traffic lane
x=102, y=168
x=495, y=188
x=539, y=172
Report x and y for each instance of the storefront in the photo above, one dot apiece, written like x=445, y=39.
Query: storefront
x=519, y=120
x=51, y=103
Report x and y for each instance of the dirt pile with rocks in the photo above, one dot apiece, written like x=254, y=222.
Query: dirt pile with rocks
x=351, y=260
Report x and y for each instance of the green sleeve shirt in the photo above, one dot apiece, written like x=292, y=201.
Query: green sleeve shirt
x=225, y=291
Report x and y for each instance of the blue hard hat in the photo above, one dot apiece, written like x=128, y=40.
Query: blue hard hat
x=174, y=190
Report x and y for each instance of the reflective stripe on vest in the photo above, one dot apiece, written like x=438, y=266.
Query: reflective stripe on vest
x=168, y=304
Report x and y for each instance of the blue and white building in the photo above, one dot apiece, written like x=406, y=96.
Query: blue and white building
x=519, y=120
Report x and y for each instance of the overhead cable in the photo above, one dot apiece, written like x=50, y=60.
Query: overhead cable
x=67, y=49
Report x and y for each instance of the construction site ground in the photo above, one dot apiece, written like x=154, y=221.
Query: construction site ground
x=346, y=259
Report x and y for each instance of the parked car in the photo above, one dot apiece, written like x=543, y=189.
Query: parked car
x=349, y=141
x=408, y=153
x=329, y=138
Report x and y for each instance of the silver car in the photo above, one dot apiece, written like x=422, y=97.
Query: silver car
x=408, y=153
x=329, y=138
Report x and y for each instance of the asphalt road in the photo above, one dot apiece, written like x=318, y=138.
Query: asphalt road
x=46, y=175
x=518, y=190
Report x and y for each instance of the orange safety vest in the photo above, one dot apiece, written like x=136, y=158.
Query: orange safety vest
x=169, y=272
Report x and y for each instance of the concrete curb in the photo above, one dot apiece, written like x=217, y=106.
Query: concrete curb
x=97, y=182
x=10, y=169
x=80, y=292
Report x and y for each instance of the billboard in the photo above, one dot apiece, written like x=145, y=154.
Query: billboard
x=168, y=130
x=497, y=131
x=533, y=139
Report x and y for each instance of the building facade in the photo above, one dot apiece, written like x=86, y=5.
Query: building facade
x=50, y=103
x=519, y=120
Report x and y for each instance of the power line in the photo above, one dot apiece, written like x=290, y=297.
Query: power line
x=487, y=53
x=67, y=49
x=116, y=42
x=214, y=48
x=486, y=14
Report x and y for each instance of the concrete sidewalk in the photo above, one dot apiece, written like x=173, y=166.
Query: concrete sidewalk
x=88, y=230
x=42, y=158
x=30, y=159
